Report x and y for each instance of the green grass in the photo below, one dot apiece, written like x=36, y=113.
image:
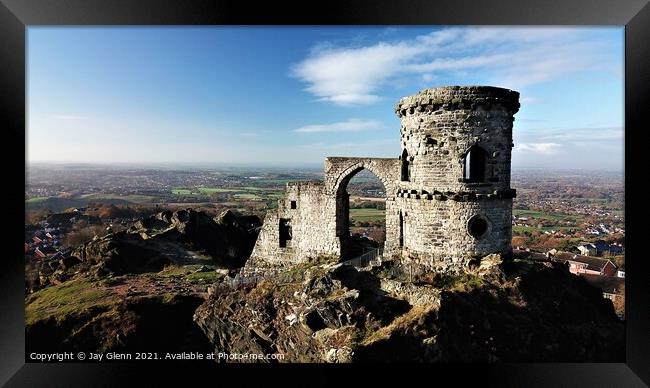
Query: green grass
x=247, y=196
x=208, y=277
x=181, y=191
x=367, y=214
x=36, y=200
x=245, y=193
x=69, y=298
x=251, y=188
x=189, y=274
x=174, y=271
x=212, y=190
x=135, y=198
x=274, y=196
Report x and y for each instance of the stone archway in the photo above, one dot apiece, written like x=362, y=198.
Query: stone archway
x=339, y=172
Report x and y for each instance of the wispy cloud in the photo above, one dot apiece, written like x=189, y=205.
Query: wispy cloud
x=351, y=125
x=579, y=140
x=578, y=148
x=573, y=136
x=508, y=57
x=539, y=148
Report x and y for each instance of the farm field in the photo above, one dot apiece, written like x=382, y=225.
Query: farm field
x=523, y=228
x=133, y=198
x=367, y=214
x=36, y=200
x=538, y=214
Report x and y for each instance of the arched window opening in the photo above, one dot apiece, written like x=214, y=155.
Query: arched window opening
x=406, y=167
x=475, y=165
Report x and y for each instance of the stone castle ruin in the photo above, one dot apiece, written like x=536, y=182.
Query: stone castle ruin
x=448, y=194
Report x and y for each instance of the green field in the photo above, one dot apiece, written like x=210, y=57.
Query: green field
x=36, y=200
x=135, y=198
x=247, y=196
x=522, y=228
x=206, y=190
x=368, y=214
x=212, y=190
x=279, y=181
x=251, y=188
x=180, y=191
x=537, y=214
x=249, y=193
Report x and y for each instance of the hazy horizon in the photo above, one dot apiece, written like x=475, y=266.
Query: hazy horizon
x=208, y=166
x=290, y=96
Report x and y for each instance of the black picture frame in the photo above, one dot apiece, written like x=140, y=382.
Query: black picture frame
x=17, y=15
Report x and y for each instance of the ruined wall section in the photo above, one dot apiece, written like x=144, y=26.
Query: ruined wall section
x=313, y=219
x=310, y=213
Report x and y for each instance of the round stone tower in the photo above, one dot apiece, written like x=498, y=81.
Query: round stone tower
x=454, y=196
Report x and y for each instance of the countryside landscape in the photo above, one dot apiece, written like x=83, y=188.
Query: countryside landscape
x=325, y=195
x=553, y=209
x=69, y=206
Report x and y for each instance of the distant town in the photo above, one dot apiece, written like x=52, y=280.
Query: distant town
x=575, y=217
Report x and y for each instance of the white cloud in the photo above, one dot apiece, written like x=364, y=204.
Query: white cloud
x=540, y=148
x=428, y=77
x=351, y=76
x=351, y=125
x=590, y=148
x=507, y=57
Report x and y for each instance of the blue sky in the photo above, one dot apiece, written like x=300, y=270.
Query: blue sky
x=291, y=96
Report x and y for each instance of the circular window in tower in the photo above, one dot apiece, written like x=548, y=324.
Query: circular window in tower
x=477, y=226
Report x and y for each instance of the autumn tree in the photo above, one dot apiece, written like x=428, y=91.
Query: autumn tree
x=619, y=301
x=519, y=241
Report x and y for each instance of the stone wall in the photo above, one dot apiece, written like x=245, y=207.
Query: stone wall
x=317, y=212
x=438, y=127
x=311, y=215
x=339, y=172
x=436, y=231
x=436, y=215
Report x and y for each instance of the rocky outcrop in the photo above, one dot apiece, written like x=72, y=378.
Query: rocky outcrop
x=544, y=314
x=313, y=320
x=514, y=311
x=228, y=238
x=125, y=253
x=157, y=241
